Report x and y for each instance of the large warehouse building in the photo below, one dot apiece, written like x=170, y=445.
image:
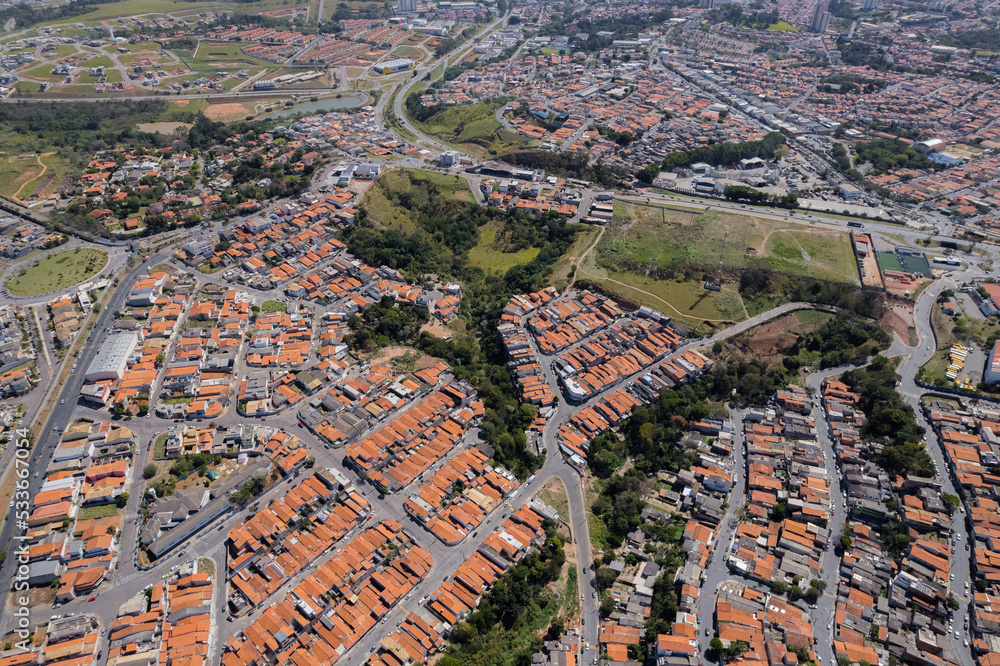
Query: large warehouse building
x=397, y=65
x=112, y=360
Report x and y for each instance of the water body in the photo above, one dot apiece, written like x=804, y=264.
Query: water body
x=322, y=106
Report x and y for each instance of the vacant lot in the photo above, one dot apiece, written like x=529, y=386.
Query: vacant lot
x=643, y=236
x=486, y=256
x=211, y=55
x=57, y=271
x=20, y=176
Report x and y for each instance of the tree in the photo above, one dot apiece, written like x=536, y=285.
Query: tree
x=605, y=578
x=736, y=650
x=607, y=604
x=951, y=502
x=149, y=471
x=716, y=645
x=648, y=173
x=556, y=628
x=121, y=501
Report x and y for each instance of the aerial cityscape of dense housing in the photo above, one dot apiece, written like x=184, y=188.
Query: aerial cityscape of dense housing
x=497, y=332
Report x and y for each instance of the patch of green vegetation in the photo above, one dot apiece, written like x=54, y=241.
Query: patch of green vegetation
x=890, y=417
x=160, y=446
x=468, y=127
x=272, y=306
x=210, y=55
x=492, y=260
x=102, y=511
x=506, y=626
x=782, y=26
x=56, y=271
x=98, y=61
x=654, y=239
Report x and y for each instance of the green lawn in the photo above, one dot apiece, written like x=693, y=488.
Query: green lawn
x=272, y=306
x=98, y=61
x=102, y=511
x=160, y=446
x=408, y=52
x=782, y=26
x=57, y=271
x=44, y=73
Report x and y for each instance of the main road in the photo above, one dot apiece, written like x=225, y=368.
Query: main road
x=55, y=425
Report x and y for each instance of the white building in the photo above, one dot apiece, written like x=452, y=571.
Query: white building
x=849, y=192
x=992, y=372
x=112, y=359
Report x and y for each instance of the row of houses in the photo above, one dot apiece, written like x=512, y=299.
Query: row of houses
x=456, y=499
x=393, y=456
x=330, y=610
x=281, y=540
x=889, y=608
x=90, y=467
x=174, y=624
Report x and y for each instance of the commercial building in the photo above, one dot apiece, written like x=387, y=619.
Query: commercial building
x=849, y=192
x=396, y=65
x=406, y=6
x=112, y=359
x=992, y=373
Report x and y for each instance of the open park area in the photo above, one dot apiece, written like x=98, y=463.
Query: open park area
x=57, y=271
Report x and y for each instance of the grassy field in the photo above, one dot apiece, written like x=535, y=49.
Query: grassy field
x=213, y=55
x=472, y=126
x=408, y=52
x=272, y=306
x=98, y=61
x=17, y=172
x=687, y=301
x=141, y=7
x=44, y=182
x=102, y=511
x=560, y=275
x=648, y=236
x=56, y=271
x=43, y=73
x=492, y=260
x=782, y=26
